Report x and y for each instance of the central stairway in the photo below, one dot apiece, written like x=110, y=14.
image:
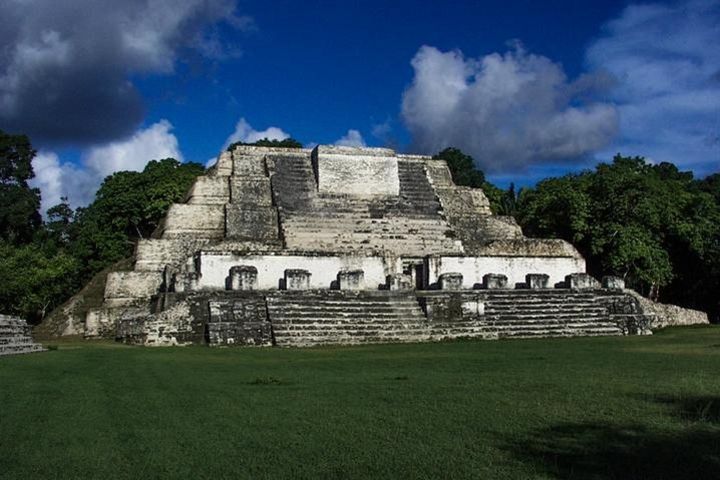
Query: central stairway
x=322, y=317
x=411, y=223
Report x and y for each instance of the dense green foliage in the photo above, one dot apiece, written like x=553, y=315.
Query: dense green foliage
x=19, y=204
x=43, y=263
x=128, y=206
x=614, y=407
x=265, y=142
x=464, y=173
x=653, y=225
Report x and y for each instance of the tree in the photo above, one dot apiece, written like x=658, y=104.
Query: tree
x=465, y=173
x=129, y=206
x=462, y=168
x=628, y=218
x=266, y=142
x=19, y=203
x=711, y=185
x=59, y=224
x=36, y=279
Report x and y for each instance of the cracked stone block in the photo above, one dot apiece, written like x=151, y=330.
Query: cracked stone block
x=351, y=279
x=399, y=281
x=296, y=279
x=579, y=281
x=536, y=281
x=243, y=277
x=613, y=283
x=177, y=283
x=192, y=279
x=493, y=281
x=451, y=281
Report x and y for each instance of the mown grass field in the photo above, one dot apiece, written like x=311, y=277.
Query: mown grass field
x=618, y=407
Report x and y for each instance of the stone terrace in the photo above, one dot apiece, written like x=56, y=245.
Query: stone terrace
x=15, y=337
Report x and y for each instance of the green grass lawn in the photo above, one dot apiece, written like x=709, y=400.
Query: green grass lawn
x=616, y=407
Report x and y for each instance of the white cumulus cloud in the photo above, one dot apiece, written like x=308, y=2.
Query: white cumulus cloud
x=508, y=110
x=57, y=179
x=133, y=153
x=244, y=132
x=352, y=138
x=667, y=64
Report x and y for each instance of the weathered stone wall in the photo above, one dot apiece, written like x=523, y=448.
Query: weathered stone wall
x=515, y=268
x=174, y=326
x=240, y=320
x=494, y=314
x=205, y=221
x=665, y=315
x=215, y=268
x=15, y=337
x=209, y=190
x=353, y=171
x=125, y=288
x=154, y=254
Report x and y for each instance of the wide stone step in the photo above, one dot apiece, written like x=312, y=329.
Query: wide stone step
x=20, y=349
x=340, y=332
x=551, y=333
x=579, y=323
x=357, y=230
x=522, y=297
x=305, y=342
x=341, y=297
x=543, y=319
x=320, y=318
x=328, y=317
x=550, y=308
x=345, y=310
x=339, y=328
x=320, y=216
x=14, y=340
x=363, y=232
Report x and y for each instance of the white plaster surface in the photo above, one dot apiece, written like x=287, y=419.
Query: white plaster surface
x=515, y=268
x=215, y=269
x=351, y=171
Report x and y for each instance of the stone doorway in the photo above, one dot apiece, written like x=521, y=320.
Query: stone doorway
x=415, y=267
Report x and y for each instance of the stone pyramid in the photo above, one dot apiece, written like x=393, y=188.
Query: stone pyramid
x=277, y=246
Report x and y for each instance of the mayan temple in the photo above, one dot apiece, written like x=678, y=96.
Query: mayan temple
x=339, y=245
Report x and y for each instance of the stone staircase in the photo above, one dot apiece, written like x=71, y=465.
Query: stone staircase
x=548, y=313
x=307, y=318
x=15, y=337
x=239, y=319
x=530, y=313
x=293, y=183
x=411, y=224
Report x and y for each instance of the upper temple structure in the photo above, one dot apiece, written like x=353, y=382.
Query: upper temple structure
x=277, y=246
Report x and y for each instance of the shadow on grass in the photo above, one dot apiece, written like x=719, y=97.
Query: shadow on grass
x=607, y=451
x=704, y=409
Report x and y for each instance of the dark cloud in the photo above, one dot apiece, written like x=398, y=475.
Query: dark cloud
x=65, y=66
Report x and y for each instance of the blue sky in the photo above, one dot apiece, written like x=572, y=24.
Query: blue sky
x=528, y=88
